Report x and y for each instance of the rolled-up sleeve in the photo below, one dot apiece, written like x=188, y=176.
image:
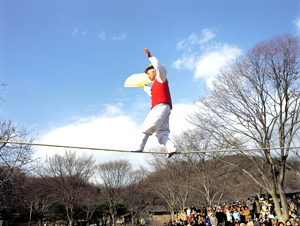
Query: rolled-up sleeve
x=148, y=90
x=161, y=71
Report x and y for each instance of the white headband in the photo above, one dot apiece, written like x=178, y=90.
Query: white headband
x=152, y=69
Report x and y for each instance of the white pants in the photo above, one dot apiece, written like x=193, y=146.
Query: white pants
x=157, y=121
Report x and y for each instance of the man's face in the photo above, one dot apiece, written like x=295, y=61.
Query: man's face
x=151, y=75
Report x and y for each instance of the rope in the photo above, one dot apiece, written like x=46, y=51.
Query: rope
x=151, y=152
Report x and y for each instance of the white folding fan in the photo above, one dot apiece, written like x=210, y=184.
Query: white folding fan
x=137, y=80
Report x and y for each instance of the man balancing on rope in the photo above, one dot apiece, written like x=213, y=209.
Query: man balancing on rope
x=158, y=118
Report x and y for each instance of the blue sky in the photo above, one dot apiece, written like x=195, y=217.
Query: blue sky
x=65, y=61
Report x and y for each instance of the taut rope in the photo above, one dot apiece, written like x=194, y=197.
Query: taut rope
x=152, y=152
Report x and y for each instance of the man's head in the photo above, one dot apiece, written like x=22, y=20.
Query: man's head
x=151, y=72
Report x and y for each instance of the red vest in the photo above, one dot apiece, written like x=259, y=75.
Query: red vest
x=160, y=93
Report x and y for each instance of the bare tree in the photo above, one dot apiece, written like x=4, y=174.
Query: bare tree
x=91, y=198
x=210, y=173
x=38, y=199
x=1, y=89
x=114, y=176
x=293, y=164
x=67, y=176
x=136, y=194
x=255, y=103
x=14, y=159
x=173, y=180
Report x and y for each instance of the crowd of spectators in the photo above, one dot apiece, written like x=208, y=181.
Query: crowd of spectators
x=252, y=212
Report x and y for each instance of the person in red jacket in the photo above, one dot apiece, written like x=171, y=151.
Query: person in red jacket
x=157, y=121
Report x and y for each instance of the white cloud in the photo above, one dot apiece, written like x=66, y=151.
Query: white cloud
x=119, y=38
x=111, y=130
x=297, y=23
x=75, y=31
x=102, y=35
x=203, y=57
x=210, y=63
x=194, y=39
x=186, y=62
x=178, y=118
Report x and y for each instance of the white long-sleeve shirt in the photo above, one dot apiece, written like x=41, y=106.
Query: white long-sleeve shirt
x=161, y=73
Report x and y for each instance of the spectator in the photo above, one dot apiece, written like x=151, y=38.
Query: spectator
x=249, y=222
x=190, y=218
x=294, y=216
x=184, y=218
x=249, y=204
x=288, y=223
x=185, y=209
x=274, y=223
x=231, y=223
x=295, y=201
x=261, y=216
x=247, y=214
x=224, y=208
x=240, y=209
x=271, y=215
x=220, y=216
x=213, y=220
x=193, y=209
x=257, y=208
x=203, y=210
x=228, y=216
x=207, y=206
x=207, y=221
x=268, y=222
x=292, y=221
x=293, y=207
x=256, y=222
x=231, y=208
x=236, y=215
x=261, y=222
x=214, y=210
x=188, y=212
x=200, y=221
x=243, y=203
x=271, y=205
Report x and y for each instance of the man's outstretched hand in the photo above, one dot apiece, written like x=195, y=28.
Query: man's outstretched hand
x=147, y=52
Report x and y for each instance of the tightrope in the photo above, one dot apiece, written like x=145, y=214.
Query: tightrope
x=151, y=152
